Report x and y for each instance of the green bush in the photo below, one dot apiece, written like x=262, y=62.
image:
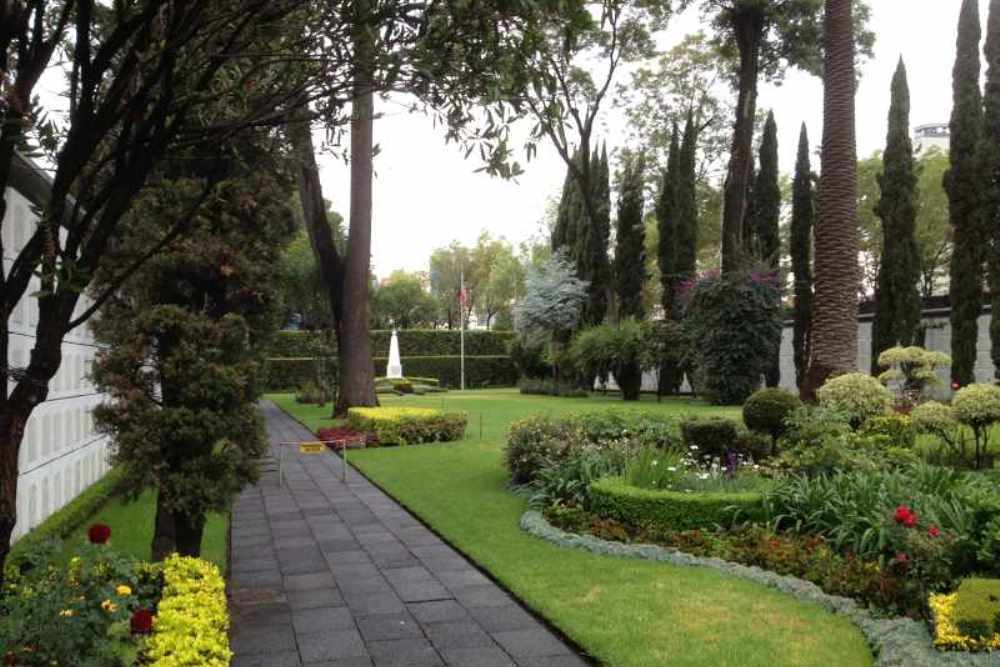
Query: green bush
x=529, y=359
x=286, y=374
x=532, y=444
x=898, y=430
x=977, y=609
x=311, y=393
x=710, y=437
x=488, y=371
x=978, y=407
x=766, y=410
x=857, y=395
x=671, y=510
x=530, y=386
x=412, y=343
x=616, y=350
x=408, y=426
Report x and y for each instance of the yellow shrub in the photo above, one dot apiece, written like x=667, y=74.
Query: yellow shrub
x=408, y=426
x=192, y=621
x=947, y=634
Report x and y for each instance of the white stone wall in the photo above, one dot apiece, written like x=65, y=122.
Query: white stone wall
x=61, y=454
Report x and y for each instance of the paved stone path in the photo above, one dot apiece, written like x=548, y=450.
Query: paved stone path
x=338, y=575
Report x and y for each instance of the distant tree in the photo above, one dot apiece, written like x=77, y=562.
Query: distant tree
x=630, y=261
x=688, y=232
x=502, y=288
x=963, y=183
x=302, y=291
x=869, y=225
x=403, y=302
x=897, y=306
x=667, y=223
x=592, y=241
x=989, y=157
x=767, y=215
x=447, y=266
x=933, y=231
x=800, y=248
x=568, y=214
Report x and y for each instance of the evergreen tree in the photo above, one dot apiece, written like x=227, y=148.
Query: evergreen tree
x=962, y=181
x=897, y=308
x=567, y=219
x=666, y=220
x=767, y=197
x=990, y=159
x=592, y=239
x=686, y=233
x=630, y=253
x=800, y=244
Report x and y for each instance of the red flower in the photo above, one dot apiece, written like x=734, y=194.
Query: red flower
x=901, y=560
x=141, y=622
x=933, y=531
x=99, y=534
x=956, y=386
x=904, y=516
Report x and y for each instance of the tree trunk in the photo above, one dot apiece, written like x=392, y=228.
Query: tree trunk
x=357, y=370
x=748, y=26
x=834, y=323
x=164, y=533
x=12, y=431
x=188, y=531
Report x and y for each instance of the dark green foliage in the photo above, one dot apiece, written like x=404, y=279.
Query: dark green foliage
x=593, y=238
x=671, y=510
x=977, y=610
x=767, y=197
x=288, y=373
x=686, y=233
x=765, y=411
x=541, y=387
x=712, y=437
x=412, y=343
x=630, y=246
x=480, y=371
x=897, y=308
x=569, y=213
x=989, y=158
x=666, y=220
x=529, y=359
x=800, y=245
x=616, y=350
x=963, y=182
x=732, y=323
x=392, y=426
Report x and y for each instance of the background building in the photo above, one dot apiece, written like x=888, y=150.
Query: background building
x=931, y=135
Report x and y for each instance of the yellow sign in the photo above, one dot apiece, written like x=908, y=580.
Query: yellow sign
x=311, y=448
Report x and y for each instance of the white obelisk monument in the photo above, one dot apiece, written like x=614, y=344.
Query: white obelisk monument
x=394, y=369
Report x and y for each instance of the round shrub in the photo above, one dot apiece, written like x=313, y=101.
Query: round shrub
x=766, y=410
x=898, y=430
x=710, y=438
x=857, y=395
x=977, y=405
x=532, y=444
x=933, y=417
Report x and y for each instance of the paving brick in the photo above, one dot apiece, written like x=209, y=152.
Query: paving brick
x=322, y=619
x=381, y=627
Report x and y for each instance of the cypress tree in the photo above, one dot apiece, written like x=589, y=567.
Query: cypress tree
x=962, y=182
x=666, y=221
x=750, y=218
x=592, y=240
x=800, y=245
x=990, y=160
x=897, y=307
x=567, y=219
x=767, y=197
x=686, y=232
x=630, y=259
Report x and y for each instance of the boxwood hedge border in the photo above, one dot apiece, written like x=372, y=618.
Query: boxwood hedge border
x=895, y=641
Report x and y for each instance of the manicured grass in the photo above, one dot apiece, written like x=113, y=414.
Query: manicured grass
x=131, y=526
x=625, y=613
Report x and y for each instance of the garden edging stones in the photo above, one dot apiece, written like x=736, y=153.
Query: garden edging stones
x=896, y=642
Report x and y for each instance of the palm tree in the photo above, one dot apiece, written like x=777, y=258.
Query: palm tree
x=835, y=332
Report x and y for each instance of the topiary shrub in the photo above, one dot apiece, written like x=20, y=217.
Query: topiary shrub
x=858, y=395
x=710, y=437
x=766, y=411
x=978, y=407
x=532, y=444
x=969, y=618
x=898, y=430
x=408, y=426
x=911, y=370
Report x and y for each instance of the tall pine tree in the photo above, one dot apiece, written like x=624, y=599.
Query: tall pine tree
x=897, y=307
x=568, y=215
x=800, y=245
x=630, y=244
x=686, y=231
x=989, y=156
x=962, y=182
x=666, y=222
x=592, y=239
x=766, y=216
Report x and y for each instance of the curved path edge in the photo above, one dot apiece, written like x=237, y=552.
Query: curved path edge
x=895, y=642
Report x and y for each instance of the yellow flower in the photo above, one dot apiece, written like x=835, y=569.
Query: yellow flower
x=67, y=612
x=109, y=606
x=123, y=590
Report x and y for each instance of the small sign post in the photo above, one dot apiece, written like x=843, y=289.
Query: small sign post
x=309, y=448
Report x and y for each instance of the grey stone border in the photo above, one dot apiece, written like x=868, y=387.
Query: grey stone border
x=896, y=642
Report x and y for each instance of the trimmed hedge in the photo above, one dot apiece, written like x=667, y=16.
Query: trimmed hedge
x=412, y=343
x=488, y=371
x=289, y=373
x=64, y=522
x=408, y=426
x=671, y=510
x=192, y=621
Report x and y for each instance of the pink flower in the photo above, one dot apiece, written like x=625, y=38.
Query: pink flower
x=933, y=531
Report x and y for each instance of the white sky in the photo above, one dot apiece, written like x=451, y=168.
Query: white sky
x=426, y=194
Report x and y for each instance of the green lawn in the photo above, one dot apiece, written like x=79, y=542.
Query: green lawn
x=626, y=613
x=132, y=529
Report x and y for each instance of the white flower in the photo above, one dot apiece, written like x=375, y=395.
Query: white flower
x=672, y=468
x=704, y=475
x=693, y=447
x=656, y=463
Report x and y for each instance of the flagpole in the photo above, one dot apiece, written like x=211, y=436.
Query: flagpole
x=461, y=321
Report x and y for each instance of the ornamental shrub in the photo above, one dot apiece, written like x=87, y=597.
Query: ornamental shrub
x=408, y=426
x=978, y=407
x=710, y=437
x=532, y=444
x=734, y=326
x=617, y=350
x=897, y=429
x=969, y=618
x=529, y=386
x=858, y=395
x=766, y=410
x=911, y=369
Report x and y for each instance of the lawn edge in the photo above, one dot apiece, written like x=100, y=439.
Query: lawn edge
x=894, y=642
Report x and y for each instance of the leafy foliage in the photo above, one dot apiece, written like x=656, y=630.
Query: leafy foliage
x=408, y=426
x=857, y=395
x=800, y=249
x=614, y=350
x=630, y=250
x=553, y=300
x=766, y=410
x=978, y=407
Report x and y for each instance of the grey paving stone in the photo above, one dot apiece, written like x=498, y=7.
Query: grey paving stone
x=476, y=657
x=553, y=661
x=263, y=639
x=463, y=578
x=341, y=545
x=286, y=659
x=298, y=582
x=421, y=591
x=314, y=598
x=438, y=611
x=322, y=619
x=458, y=634
x=375, y=603
x=502, y=619
x=381, y=627
x=531, y=643
x=343, y=662
x=487, y=595
x=404, y=653
x=332, y=645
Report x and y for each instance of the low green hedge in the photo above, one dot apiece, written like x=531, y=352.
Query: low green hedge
x=486, y=371
x=408, y=426
x=412, y=343
x=289, y=373
x=67, y=520
x=671, y=510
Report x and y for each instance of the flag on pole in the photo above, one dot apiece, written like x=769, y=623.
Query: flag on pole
x=463, y=296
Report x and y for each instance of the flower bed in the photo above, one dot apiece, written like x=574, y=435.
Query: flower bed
x=675, y=510
x=408, y=426
x=342, y=437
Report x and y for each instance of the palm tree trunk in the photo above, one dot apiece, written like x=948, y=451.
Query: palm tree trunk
x=834, y=325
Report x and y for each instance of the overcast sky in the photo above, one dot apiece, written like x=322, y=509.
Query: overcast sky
x=426, y=195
